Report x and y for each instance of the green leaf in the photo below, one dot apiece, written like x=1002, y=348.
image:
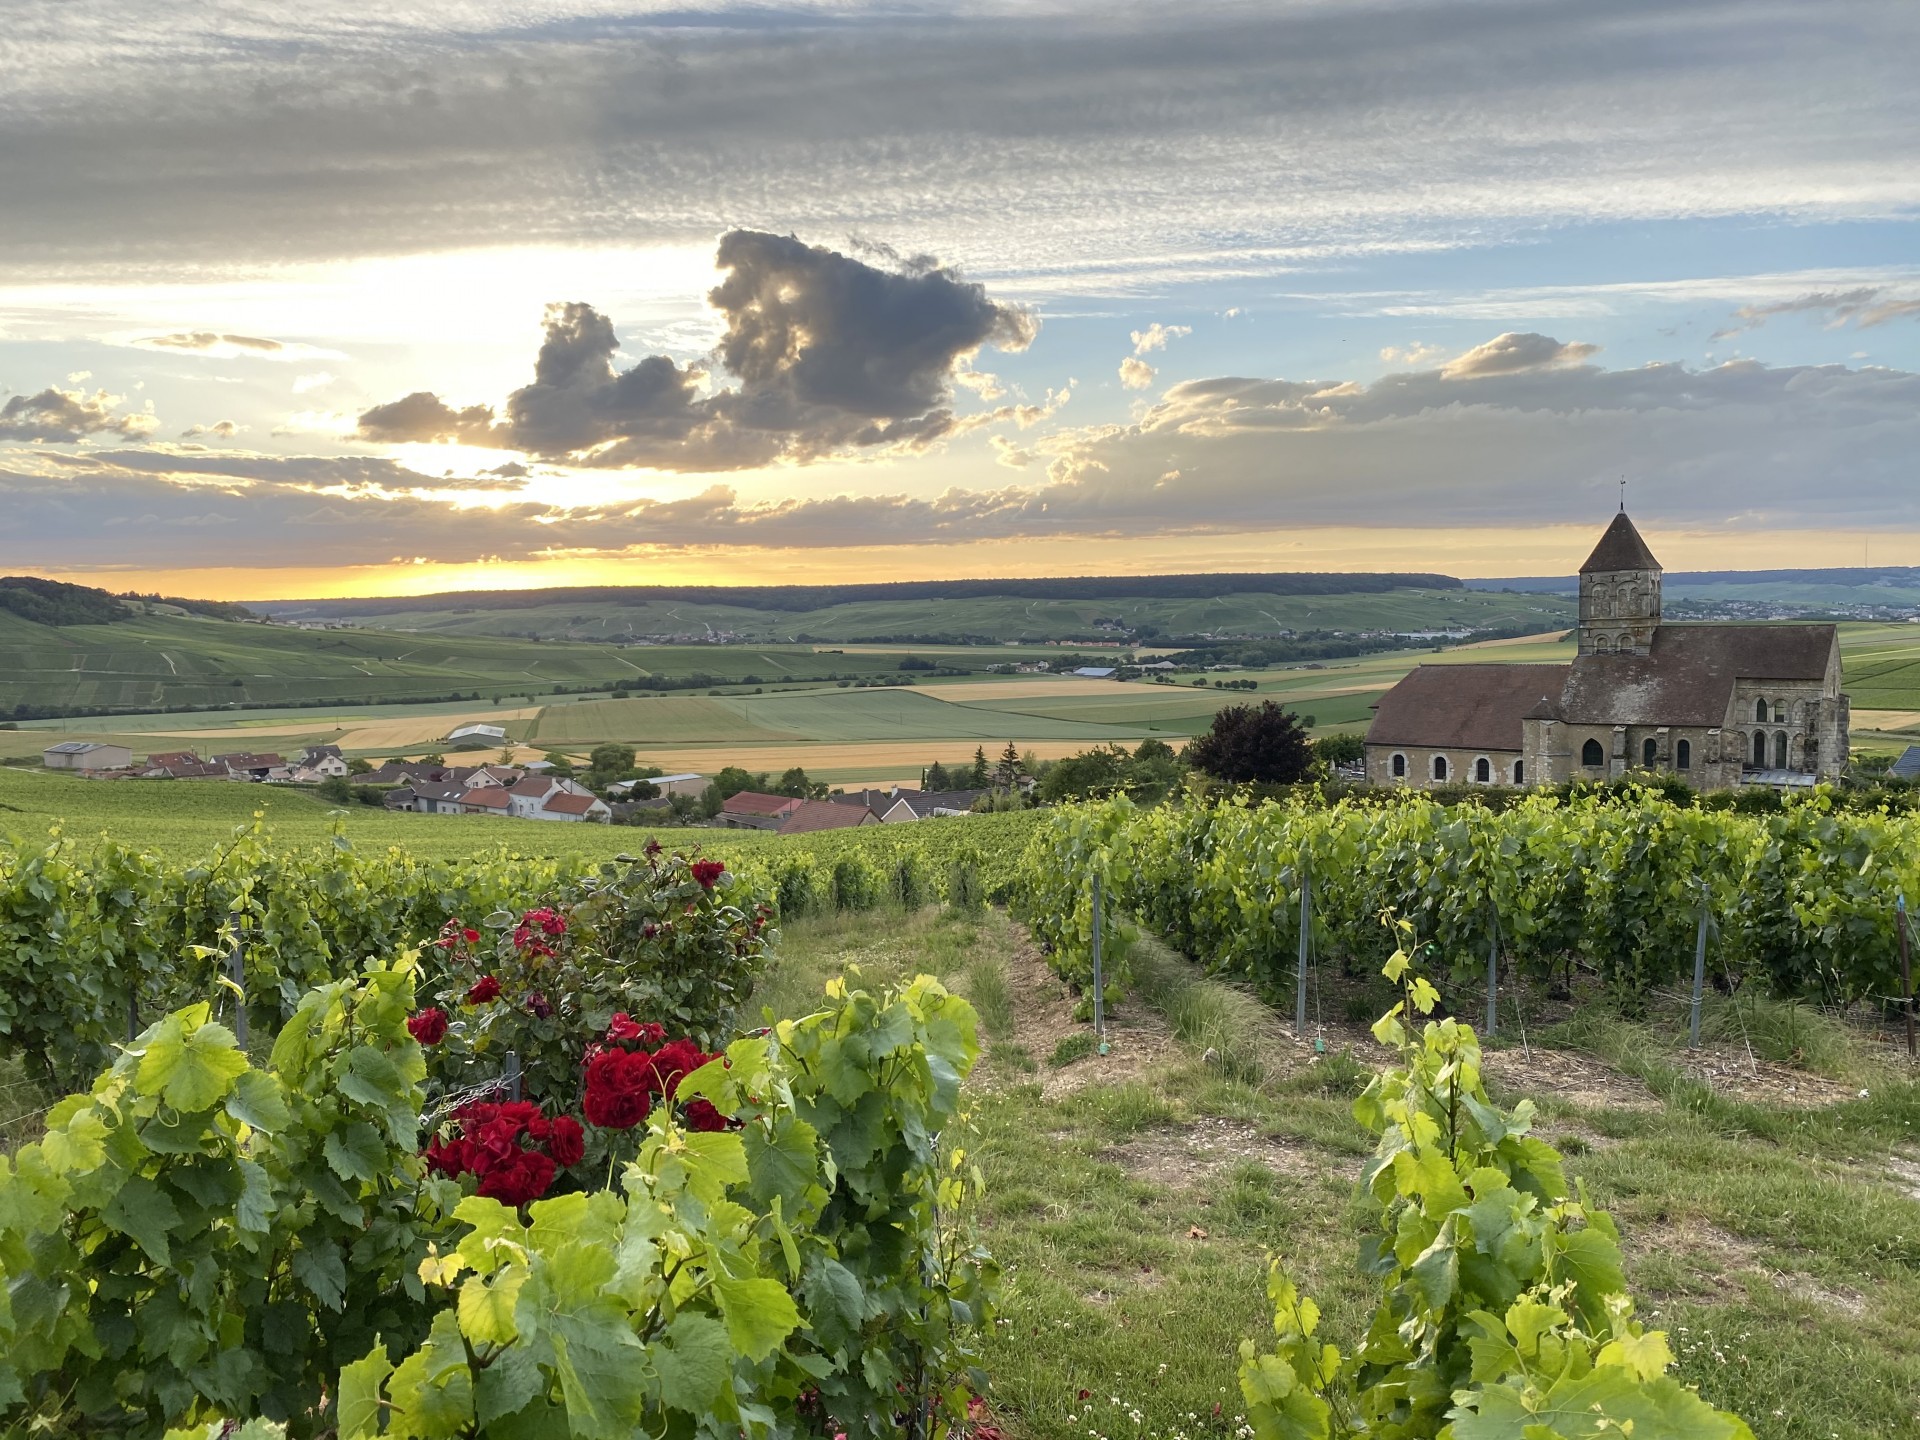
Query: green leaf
x=318, y=1266
x=257, y=1100
x=486, y=1308
x=784, y=1164
x=254, y=1209
x=511, y=1380
x=759, y=1314
x=694, y=1361
x=355, y=1152
x=191, y=1066
x=601, y=1377
x=142, y=1210
x=359, y=1403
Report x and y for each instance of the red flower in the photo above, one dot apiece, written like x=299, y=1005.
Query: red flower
x=450, y=1158
x=619, y=1088
x=471, y=935
x=653, y=847
x=566, y=1141
x=674, y=1061
x=517, y=1181
x=702, y=1116
x=623, y=1027
x=484, y=989
x=707, y=872
x=429, y=1027
x=539, y=1005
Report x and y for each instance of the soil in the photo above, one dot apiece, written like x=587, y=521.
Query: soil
x=1729, y=1070
x=1566, y=1075
x=1182, y=1157
x=1043, y=1015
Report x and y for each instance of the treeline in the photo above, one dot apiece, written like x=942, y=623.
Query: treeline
x=25, y=711
x=821, y=597
x=55, y=602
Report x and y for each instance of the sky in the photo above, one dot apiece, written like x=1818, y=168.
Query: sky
x=336, y=299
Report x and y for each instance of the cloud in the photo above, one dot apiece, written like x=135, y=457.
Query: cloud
x=1156, y=336
x=220, y=429
x=215, y=346
x=319, y=380
x=1136, y=374
x=57, y=416
x=1410, y=355
x=1863, y=308
x=1735, y=447
x=1515, y=353
x=829, y=353
x=1208, y=138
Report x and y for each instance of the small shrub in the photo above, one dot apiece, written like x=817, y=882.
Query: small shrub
x=1077, y=1046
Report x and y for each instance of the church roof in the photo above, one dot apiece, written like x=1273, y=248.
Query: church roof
x=1466, y=707
x=1621, y=548
x=1688, y=674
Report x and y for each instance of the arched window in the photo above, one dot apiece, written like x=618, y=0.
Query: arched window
x=1439, y=767
x=1649, y=752
x=1591, y=755
x=1760, y=711
x=1780, y=751
x=1519, y=772
x=1599, y=644
x=1399, y=766
x=1760, y=748
x=1683, y=755
x=1483, y=770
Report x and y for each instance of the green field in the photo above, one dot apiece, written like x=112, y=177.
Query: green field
x=999, y=617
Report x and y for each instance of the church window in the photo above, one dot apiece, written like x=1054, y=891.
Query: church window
x=1780, y=751
x=1683, y=755
x=1760, y=711
x=1519, y=772
x=1760, y=748
x=1601, y=644
x=1591, y=755
x=1399, y=766
x=1483, y=770
x=1649, y=752
x=1439, y=767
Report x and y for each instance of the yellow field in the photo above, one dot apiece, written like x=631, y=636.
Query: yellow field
x=1886, y=719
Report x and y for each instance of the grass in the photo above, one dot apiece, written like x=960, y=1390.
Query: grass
x=1778, y=1246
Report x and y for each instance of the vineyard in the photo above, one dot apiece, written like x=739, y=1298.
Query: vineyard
x=1797, y=903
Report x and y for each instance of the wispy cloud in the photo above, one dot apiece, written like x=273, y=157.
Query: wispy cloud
x=1863, y=308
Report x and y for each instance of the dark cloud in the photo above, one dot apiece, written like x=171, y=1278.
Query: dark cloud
x=1864, y=308
x=56, y=416
x=829, y=354
x=208, y=340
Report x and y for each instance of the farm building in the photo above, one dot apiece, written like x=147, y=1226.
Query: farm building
x=476, y=737
x=1716, y=705
x=86, y=755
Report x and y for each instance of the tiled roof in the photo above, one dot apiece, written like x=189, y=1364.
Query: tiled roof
x=168, y=758
x=752, y=802
x=438, y=790
x=490, y=797
x=924, y=802
x=564, y=804
x=530, y=788
x=1907, y=767
x=870, y=799
x=247, y=761
x=1469, y=707
x=1688, y=674
x=1620, y=548
x=811, y=815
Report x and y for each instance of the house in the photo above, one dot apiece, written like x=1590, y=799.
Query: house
x=500, y=775
x=438, y=797
x=874, y=800
x=1096, y=672
x=927, y=804
x=1716, y=705
x=476, y=737
x=525, y=797
x=324, y=760
x=167, y=760
x=86, y=755
x=575, y=808
x=486, y=800
x=387, y=774
x=667, y=785
x=248, y=766
x=808, y=816
x=752, y=810
x=401, y=797
x=1907, y=767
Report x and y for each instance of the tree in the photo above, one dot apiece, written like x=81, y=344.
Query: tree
x=977, y=777
x=796, y=784
x=562, y=766
x=1008, y=770
x=335, y=790
x=1253, y=744
x=358, y=766
x=937, y=778
x=614, y=760
x=1332, y=750
x=732, y=780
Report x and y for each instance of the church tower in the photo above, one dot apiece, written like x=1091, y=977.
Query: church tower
x=1619, y=593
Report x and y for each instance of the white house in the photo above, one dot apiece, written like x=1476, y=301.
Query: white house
x=86, y=755
x=574, y=808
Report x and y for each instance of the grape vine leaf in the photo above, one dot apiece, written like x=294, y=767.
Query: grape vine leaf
x=759, y=1314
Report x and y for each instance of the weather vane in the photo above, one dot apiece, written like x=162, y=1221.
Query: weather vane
x=1623, y=494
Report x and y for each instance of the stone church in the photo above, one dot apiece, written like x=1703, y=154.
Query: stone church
x=1717, y=705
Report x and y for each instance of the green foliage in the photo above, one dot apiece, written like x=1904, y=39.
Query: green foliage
x=1262, y=744
x=857, y=883
x=196, y=1236
x=1055, y=893
x=1504, y=1313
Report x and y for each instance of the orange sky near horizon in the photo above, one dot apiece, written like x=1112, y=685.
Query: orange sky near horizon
x=1468, y=554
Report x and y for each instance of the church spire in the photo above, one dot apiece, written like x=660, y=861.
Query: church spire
x=1619, y=593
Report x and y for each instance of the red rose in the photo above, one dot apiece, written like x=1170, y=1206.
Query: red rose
x=450, y=1158
x=472, y=935
x=623, y=1027
x=484, y=989
x=701, y=1115
x=566, y=1141
x=653, y=847
x=619, y=1085
x=429, y=1027
x=539, y=1005
x=674, y=1061
x=520, y=1180
x=707, y=872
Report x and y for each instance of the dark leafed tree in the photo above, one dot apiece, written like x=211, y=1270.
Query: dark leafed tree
x=937, y=778
x=978, y=777
x=1254, y=744
x=1009, y=768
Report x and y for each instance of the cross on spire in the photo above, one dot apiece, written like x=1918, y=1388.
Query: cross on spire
x=1623, y=494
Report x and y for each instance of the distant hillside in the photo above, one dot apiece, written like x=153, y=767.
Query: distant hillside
x=822, y=597
x=50, y=602
x=1844, y=590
